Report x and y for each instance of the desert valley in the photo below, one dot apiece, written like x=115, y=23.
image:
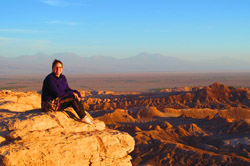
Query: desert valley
x=137, y=83
x=207, y=124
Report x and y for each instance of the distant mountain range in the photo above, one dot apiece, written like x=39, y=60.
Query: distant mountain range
x=143, y=62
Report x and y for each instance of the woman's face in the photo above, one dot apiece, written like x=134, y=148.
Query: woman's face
x=57, y=69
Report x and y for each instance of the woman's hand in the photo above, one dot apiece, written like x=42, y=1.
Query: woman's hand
x=76, y=96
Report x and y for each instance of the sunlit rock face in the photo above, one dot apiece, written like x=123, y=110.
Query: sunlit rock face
x=31, y=137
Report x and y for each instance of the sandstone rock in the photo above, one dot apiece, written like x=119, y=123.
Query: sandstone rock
x=66, y=148
x=137, y=128
x=118, y=115
x=20, y=101
x=2, y=139
x=38, y=138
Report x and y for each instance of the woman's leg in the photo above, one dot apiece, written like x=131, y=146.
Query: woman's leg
x=71, y=101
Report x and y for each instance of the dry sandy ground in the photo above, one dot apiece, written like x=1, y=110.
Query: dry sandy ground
x=130, y=82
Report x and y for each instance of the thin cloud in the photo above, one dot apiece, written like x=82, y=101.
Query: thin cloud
x=4, y=40
x=14, y=30
x=62, y=22
x=21, y=40
x=62, y=3
x=54, y=2
x=11, y=46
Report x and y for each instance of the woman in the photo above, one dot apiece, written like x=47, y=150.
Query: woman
x=57, y=95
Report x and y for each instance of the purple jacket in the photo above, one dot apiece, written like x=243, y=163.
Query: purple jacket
x=54, y=87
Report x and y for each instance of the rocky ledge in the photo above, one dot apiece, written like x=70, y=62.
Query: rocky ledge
x=32, y=137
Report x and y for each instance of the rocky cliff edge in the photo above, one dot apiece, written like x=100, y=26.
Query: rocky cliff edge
x=31, y=137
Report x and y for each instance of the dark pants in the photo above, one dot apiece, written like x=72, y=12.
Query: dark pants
x=71, y=101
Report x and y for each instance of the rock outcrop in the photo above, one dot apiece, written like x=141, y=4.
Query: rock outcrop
x=187, y=126
x=36, y=138
x=215, y=96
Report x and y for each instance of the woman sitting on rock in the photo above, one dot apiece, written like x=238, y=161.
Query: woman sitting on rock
x=57, y=95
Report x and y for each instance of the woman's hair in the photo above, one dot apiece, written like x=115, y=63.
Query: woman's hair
x=55, y=62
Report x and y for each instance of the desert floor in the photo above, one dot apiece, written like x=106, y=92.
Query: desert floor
x=140, y=82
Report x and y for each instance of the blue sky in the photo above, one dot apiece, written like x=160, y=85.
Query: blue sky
x=188, y=29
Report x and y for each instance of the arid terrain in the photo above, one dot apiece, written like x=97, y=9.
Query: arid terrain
x=208, y=125
x=205, y=124
x=129, y=82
